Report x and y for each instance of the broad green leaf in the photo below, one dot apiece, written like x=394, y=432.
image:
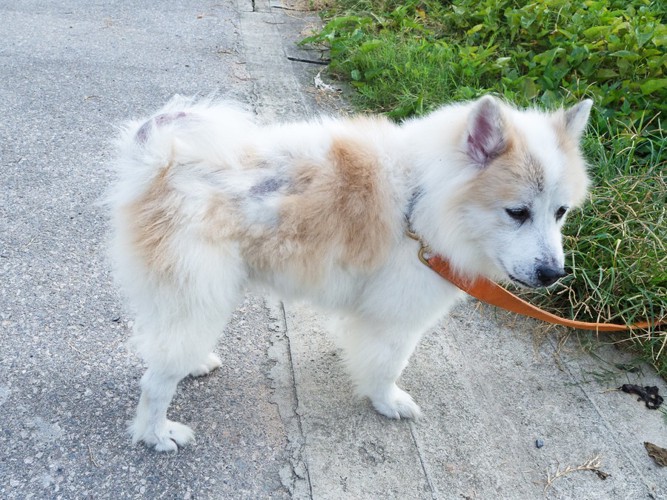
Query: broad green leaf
x=605, y=74
x=595, y=31
x=530, y=89
x=627, y=54
x=651, y=86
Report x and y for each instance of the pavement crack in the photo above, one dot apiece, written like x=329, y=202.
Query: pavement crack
x=295, y=394
x=286, y=398
x=309, y=61
x=422, y=461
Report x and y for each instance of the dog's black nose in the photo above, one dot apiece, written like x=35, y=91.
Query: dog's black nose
x=548, y=275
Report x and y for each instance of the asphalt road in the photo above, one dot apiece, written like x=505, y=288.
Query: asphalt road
x=278, y=420
x=70, y=72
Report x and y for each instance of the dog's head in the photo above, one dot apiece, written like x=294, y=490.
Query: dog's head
x=525, y=172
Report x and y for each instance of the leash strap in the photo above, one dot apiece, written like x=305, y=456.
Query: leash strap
x=492, y=293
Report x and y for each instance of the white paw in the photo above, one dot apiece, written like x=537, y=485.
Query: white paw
x=167, y=437
x=211, y=363
x=175, y=436
x=396, y=404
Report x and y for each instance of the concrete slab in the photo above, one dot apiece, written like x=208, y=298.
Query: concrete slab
x=350, y=450
x=501, y=390
x=490, y=387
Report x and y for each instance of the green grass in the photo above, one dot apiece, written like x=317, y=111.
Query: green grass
x=617, y=247
x=407, y=58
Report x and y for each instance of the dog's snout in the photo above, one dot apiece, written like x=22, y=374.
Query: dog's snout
x=548, y=275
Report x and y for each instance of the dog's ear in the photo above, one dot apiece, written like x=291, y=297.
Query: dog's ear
x=485, y=138
x=576, y=118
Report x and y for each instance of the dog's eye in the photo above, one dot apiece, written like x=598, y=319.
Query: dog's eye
x=561, y=212
x=518, y=214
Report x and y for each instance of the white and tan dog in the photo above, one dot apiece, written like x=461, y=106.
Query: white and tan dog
x=208, y=202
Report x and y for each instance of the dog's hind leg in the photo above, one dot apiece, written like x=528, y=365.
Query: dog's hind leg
x=151, y=424
x=181, y=347
x=171, y=353
x=176, y=338
x=375, y=356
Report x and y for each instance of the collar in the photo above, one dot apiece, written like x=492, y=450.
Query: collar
x=414, y=197
x=424, y=250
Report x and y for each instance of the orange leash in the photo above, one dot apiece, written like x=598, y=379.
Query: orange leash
x=492, y=293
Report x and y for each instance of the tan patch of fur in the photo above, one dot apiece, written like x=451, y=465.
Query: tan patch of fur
x=516, y=170
x=221, y=220
x=506, y=177
x=338, y=211
x=152, y=224
x=361, y=203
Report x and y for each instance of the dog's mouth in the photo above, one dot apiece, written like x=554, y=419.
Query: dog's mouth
x=516, y=281
x=541, y=280
x=521, y=283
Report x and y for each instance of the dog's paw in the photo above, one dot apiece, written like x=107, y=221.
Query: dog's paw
x=175, y=436
x=211, y=363
x=397, y=404
x=170, y=437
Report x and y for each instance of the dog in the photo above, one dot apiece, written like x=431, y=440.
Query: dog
x=208, y=202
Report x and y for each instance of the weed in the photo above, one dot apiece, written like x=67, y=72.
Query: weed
x=592, y=465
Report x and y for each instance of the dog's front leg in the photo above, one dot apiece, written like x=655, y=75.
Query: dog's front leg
x=375, y=356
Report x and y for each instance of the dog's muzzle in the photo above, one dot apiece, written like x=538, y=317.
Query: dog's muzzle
x=547, y=275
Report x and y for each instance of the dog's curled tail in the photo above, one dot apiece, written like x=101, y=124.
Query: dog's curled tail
x=184, y=131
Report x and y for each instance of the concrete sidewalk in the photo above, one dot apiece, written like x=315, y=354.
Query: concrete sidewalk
x=278, y=420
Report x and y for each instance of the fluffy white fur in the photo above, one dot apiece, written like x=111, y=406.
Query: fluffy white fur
x=208, y=202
